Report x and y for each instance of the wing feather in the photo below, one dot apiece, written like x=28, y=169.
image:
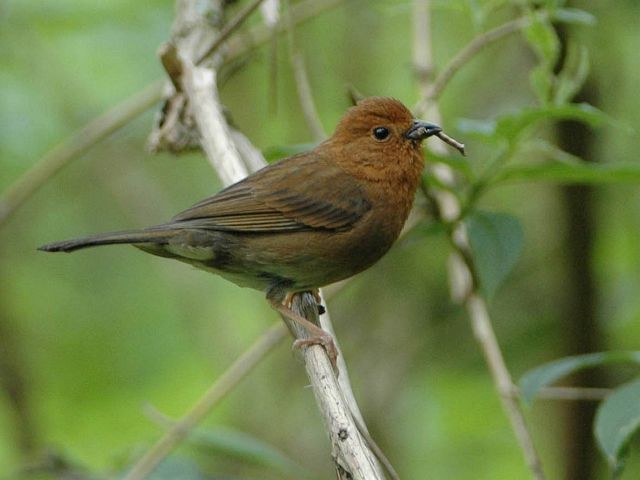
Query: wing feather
x=283, y=197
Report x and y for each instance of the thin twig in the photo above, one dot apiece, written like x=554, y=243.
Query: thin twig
x=464, y=56
x=78, y=143
x=303, y=87
x=227, y=382
x=306, y=98
x=483, y=330
x=461, y=266
x=228, y=29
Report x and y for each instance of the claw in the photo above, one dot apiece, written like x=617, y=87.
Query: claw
x=325, y=341
x=317, y=336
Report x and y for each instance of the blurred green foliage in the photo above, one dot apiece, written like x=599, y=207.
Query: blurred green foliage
x=89, y=339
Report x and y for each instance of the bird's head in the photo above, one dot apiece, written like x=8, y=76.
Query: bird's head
x=379, y=138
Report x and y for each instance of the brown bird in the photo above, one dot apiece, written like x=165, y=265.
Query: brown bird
x=306, y=221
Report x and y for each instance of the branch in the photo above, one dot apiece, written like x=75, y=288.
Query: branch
x=461, y=268
x=350, y=450
x=303, y=87
x=215, y=137
x=476, y=45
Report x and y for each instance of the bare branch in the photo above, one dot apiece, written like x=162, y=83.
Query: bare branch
x=350, y=449
x=200, y=86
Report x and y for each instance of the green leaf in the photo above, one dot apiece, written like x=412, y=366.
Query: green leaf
x=172, y=468
x=510, y=125
x=496, y=242
x=541, y=81
x=248, y=449
x=617, y=420
x=573, y=74
x=532, y=381
x=543, y=39
x=571, y=173
x=574, y=15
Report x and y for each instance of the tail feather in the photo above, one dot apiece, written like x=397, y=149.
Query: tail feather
x=127, y=236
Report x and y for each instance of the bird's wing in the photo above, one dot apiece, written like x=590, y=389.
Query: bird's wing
x=301, y=193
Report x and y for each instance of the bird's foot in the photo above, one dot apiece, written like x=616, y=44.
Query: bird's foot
x=317, y=335
x=325, y=340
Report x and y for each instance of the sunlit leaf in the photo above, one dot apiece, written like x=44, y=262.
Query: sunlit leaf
x=544, y=375
x=617, y=421
x=496, y=241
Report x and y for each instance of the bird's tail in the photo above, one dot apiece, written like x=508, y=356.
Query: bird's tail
x=126, y=236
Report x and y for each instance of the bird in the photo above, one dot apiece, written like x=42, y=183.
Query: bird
x=303, y=222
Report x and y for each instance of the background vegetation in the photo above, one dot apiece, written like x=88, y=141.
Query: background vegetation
x=86, y=341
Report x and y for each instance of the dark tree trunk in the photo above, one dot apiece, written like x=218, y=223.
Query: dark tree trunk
x=580, y=326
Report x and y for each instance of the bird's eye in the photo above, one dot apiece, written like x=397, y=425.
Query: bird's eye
x=381, y=133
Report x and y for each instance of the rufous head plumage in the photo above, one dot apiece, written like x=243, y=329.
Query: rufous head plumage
x=379, y=139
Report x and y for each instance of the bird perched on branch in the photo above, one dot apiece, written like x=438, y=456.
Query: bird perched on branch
x=306, y=221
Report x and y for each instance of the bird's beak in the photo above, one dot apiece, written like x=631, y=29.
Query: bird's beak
x=421, y=130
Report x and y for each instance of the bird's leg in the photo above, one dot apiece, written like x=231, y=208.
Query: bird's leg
x=318, y=335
